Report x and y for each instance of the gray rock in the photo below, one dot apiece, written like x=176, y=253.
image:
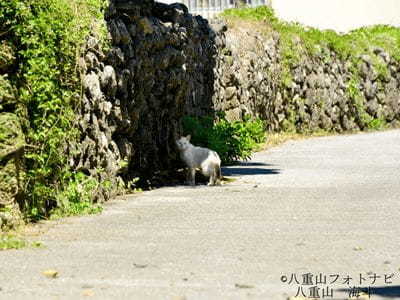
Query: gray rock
x=92, y=43
x=123, y=81
x=230, y=92
x=382, y=53
x=115, y=57
x=367, y=59
x=92, y=61
x=124, y=35
x=370, y=89
x=114, y=31
x=132, y=29
x=108, y=80
x=372, y=107
x=91, y=84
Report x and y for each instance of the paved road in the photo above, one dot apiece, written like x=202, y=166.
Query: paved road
x=324, y=205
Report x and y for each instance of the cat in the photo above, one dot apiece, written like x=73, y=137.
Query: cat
x=205, y=159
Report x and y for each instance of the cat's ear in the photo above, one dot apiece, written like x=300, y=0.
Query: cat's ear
x=188, y=137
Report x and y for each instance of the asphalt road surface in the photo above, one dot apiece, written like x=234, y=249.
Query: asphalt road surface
x=323, y=208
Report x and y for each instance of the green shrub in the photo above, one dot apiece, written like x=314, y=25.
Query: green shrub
x=11, y=241
x=8, y=241
x=350, y=45
x=377, y=124
x=48, y=36
x=77, y=197
x=233, y=141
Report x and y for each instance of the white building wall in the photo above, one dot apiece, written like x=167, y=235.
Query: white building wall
x=339, y=15
x=168, y=1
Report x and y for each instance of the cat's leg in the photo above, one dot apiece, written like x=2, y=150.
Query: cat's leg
x=218, y=175
x=212, y=174
x=187, y=173
x=192, y=176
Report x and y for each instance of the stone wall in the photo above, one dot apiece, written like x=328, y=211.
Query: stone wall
x=165, y=63
x=319, y=92
x=159, y=67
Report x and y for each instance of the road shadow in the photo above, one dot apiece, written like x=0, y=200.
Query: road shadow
x=382, y=291
x=250, y=168
x=254, y=164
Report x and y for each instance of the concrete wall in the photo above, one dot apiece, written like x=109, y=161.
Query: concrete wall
x=340, y=15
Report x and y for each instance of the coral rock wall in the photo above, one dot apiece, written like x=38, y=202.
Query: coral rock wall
x=159, y=67
x=319, y=92
x=164, y=63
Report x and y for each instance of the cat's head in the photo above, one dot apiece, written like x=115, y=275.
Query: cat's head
x=183, y=143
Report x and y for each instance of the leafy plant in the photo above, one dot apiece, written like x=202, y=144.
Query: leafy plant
x=12, y=241
x=377, y=124
x=48, y=36
x=77, y=197
x=8, y=241
x=233, y=141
